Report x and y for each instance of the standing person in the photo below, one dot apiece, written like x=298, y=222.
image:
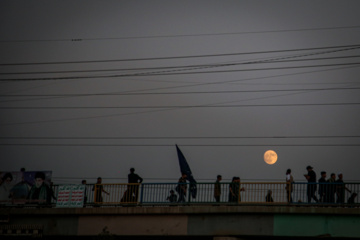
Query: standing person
x=351, y=199
x=99, y=189
x=52, y=192
x=311, y=186
x=322, y=187
x=133, y=189
x=268, y=197
x=172, y=197
x=340, y=189
x=234, y=190
x=217, y=188
x=331, y=189
x=182, y=187
x=289, y=185
x=40, y=192
x=83, y=182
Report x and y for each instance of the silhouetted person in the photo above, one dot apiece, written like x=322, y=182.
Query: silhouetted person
x=322, y=187
x=268, y=197
x=351, y=199
x=181, y=188
x=99, y=189
x=340, y=189
x=83, y=182
x=311, y=187
x=331, y=189
x=52, y=192
x=217, y=188
x=133, y=190
x=289, y=185
x=234, y=190
x=172, y=198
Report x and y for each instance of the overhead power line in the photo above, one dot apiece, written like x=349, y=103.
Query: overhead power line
x=178, y=137
x=178, y=73
x=185, y=66
x=172, y=145
x=184, y=106
x=184, y=57
x=177, y=93
x=198, y=84
x=77, y=40
x=190, y=69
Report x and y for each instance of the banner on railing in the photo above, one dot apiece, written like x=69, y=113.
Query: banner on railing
x=21, y=187
x=70, y=196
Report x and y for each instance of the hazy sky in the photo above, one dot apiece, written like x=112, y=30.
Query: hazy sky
x=92, y=88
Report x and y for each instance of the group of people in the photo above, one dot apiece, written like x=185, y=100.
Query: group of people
x=181, y=189
x=130, y=195
x=330, y=190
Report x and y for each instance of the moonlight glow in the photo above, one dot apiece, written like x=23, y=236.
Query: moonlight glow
x=270, y=157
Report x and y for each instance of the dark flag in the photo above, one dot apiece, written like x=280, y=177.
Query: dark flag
x=184, y=168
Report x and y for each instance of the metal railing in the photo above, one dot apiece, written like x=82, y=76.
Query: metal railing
x=243, y=193
x=260, y=193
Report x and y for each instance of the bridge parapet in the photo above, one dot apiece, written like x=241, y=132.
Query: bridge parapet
x=211, y=221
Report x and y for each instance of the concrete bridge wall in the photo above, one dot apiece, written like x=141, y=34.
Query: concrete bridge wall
x=214, y=221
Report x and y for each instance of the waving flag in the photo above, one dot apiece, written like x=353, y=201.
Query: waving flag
x=184, y=168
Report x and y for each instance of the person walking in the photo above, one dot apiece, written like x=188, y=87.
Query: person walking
x=217, y=188
x=311, y=186
x=331, y=189
x=340, y=189
x=99, y=189
x=289, y=185
x=322, y=187
x=234, y=190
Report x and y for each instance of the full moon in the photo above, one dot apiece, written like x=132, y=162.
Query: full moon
x=270, y=157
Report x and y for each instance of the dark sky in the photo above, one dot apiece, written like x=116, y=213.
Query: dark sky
x=92, y=88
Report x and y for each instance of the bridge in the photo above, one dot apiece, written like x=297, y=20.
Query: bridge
x=209, y=222
x=148, y=213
